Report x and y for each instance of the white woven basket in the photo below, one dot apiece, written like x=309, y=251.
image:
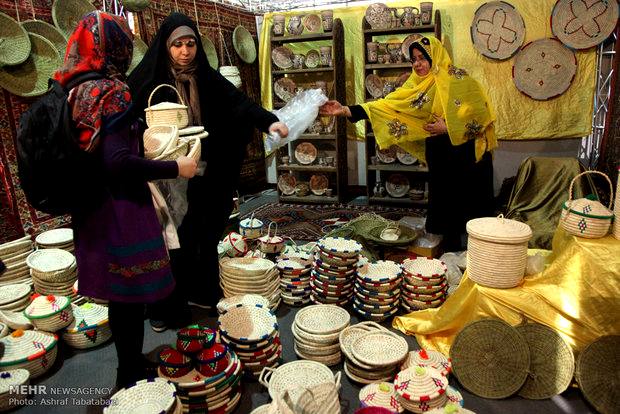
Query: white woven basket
x=167, y=113
x=50, y=313
x=34, y=351
x=154, y=395
x=89, y=328
x=10, y=381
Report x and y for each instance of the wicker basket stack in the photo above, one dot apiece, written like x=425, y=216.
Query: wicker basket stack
x=242, y=275
x=10, y=391
x=333, y=272
x=420, y=389
x=14, y=297
x=378, y=290
x=497, y=251
x=248, y=299
x=316, y=330
x=252, y=332
x=56, y=239
x=34, y=351
x=425, y=284
x=54, y=272
x=89, y=328
x=295, y=280
x=361, y=364
x=14, y=255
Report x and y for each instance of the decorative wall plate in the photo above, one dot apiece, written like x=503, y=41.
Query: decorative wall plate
x=374, y=85
x=313, y=58
x=244, y=45
x=544, y=69
x=386, y=156
x=397, y=185
x=305, y=153
x=581, y=24
x=209, y=48
x=378, y=16
x=312, y=22
x=319, y=183
x=282, y=57
x=497, y=30
x=286, y=184
x=284, y=88
x=404, y=157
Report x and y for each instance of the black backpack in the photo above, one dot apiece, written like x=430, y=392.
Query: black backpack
x=53, y=170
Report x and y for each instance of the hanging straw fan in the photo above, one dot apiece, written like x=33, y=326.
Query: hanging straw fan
x=136, y=5
x=67, y=13
x=30, y=78
x=46, y=30
x=139, y=50
x=14, y=41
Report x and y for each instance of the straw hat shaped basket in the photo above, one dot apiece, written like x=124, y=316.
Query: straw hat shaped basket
x=497, y=251
x=159, y=139
x=14, y=44
x=50, y=313
x=584, y=217
x=89, y=328
x=9, y=396
x=34, y=351
x=167, y=113
x=49, y=32
x=67, y=13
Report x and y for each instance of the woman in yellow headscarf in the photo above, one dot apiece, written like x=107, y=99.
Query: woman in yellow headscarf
x=443, y=117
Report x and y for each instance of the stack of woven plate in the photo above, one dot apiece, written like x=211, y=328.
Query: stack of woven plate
x=317, y=330
x=150, y=395
x=382, y=395
x=56, y=239
x=219, y=394
x=15, y=297
x=420, y=389
x=295, y=280
x=240, y=275
x=54, y=271
x=252, y=332
x=14, y=254
x=425, y=284
x=248, y=300
x=374, y=355
x=333, y=274
x=377, y=290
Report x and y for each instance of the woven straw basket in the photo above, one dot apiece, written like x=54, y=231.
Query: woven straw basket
x=497, y=251
x=159, y=139
x=34, y=351
x=90, y=327
x=616, y=227
x=584, y=217
x=167, y=113
x=50, y=313
x=11, y=397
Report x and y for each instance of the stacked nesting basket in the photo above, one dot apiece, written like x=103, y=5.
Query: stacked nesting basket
x=425, y=284
x=377, y=290
x=14, y=297
x=241, y=275
x=150, y=395
x=54, y=272
x=248, y=299
x=14, y=255
x=316, y=330
x=334, y=268
x=295, y=280
x=56, y=239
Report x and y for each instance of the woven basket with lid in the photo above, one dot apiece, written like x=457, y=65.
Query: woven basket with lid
x=89, y=328
x=380, y=394
x=50, y=313
x=428, y=357
x=34, y=351
x=167, y=113
x=585, y=217
x=419, y=384
x=497, y=251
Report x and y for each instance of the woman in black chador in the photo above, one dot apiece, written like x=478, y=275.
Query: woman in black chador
x=176, y=57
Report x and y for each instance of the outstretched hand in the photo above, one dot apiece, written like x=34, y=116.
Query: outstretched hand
x=280, y=128
x=333, y=108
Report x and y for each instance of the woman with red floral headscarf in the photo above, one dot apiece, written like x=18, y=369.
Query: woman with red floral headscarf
x=120, y=252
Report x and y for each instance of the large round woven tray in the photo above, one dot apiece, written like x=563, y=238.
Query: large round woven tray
x=322, y=319
x=248, y=323
x=294, y=377
x=497, y=30
x=490, y=358
x=581, y=24
x=67, y=13
x=544, y=69
x=597, y=373
x=552, y=362
x=248, y=299
x=243, y=42
x=15, y=45
x=30, y=77
x=49, y=32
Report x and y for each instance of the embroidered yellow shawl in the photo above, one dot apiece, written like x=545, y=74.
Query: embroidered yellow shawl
x=446, y=92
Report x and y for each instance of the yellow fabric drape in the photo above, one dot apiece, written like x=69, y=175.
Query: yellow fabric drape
x=578, y=295
x=446, y=92
x=518, y=117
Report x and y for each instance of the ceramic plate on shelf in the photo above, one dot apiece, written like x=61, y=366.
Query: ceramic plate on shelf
x=404, y=157
x=318, y=184
x=305, y=153
x=313, y=58
x=284, y=88
x=286, y=184
x=378, y=16
x=312, y=22
x=282, y=57
x=386, y=156
x=397, y=185
x=404, y=47
x=374, y=85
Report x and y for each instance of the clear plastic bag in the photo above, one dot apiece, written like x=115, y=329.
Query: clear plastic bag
x=298, y=114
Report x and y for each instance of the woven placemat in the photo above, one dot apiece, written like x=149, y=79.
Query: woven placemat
x=581, y=24
x=552, y=362
x=597, y=372
x=497, y=30
x=490, y=358
x=544, y=69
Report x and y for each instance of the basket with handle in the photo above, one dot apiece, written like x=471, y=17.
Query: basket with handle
x=269, y=243
x=158, y=139
x=584, y=217
x=167, y=113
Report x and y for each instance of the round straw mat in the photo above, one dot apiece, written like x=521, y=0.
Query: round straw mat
x=544, y=69
x=490, y=358
x=67, y=13
x=552, y=363
x=243, y=42
x=209, y=48
x=581, y=24
x=497, y=30
x=597, y=365
x=322, y=319
x=151, y=395
x=139, y=50
x=49, y=32
x=15, y=45
x=30, y=77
